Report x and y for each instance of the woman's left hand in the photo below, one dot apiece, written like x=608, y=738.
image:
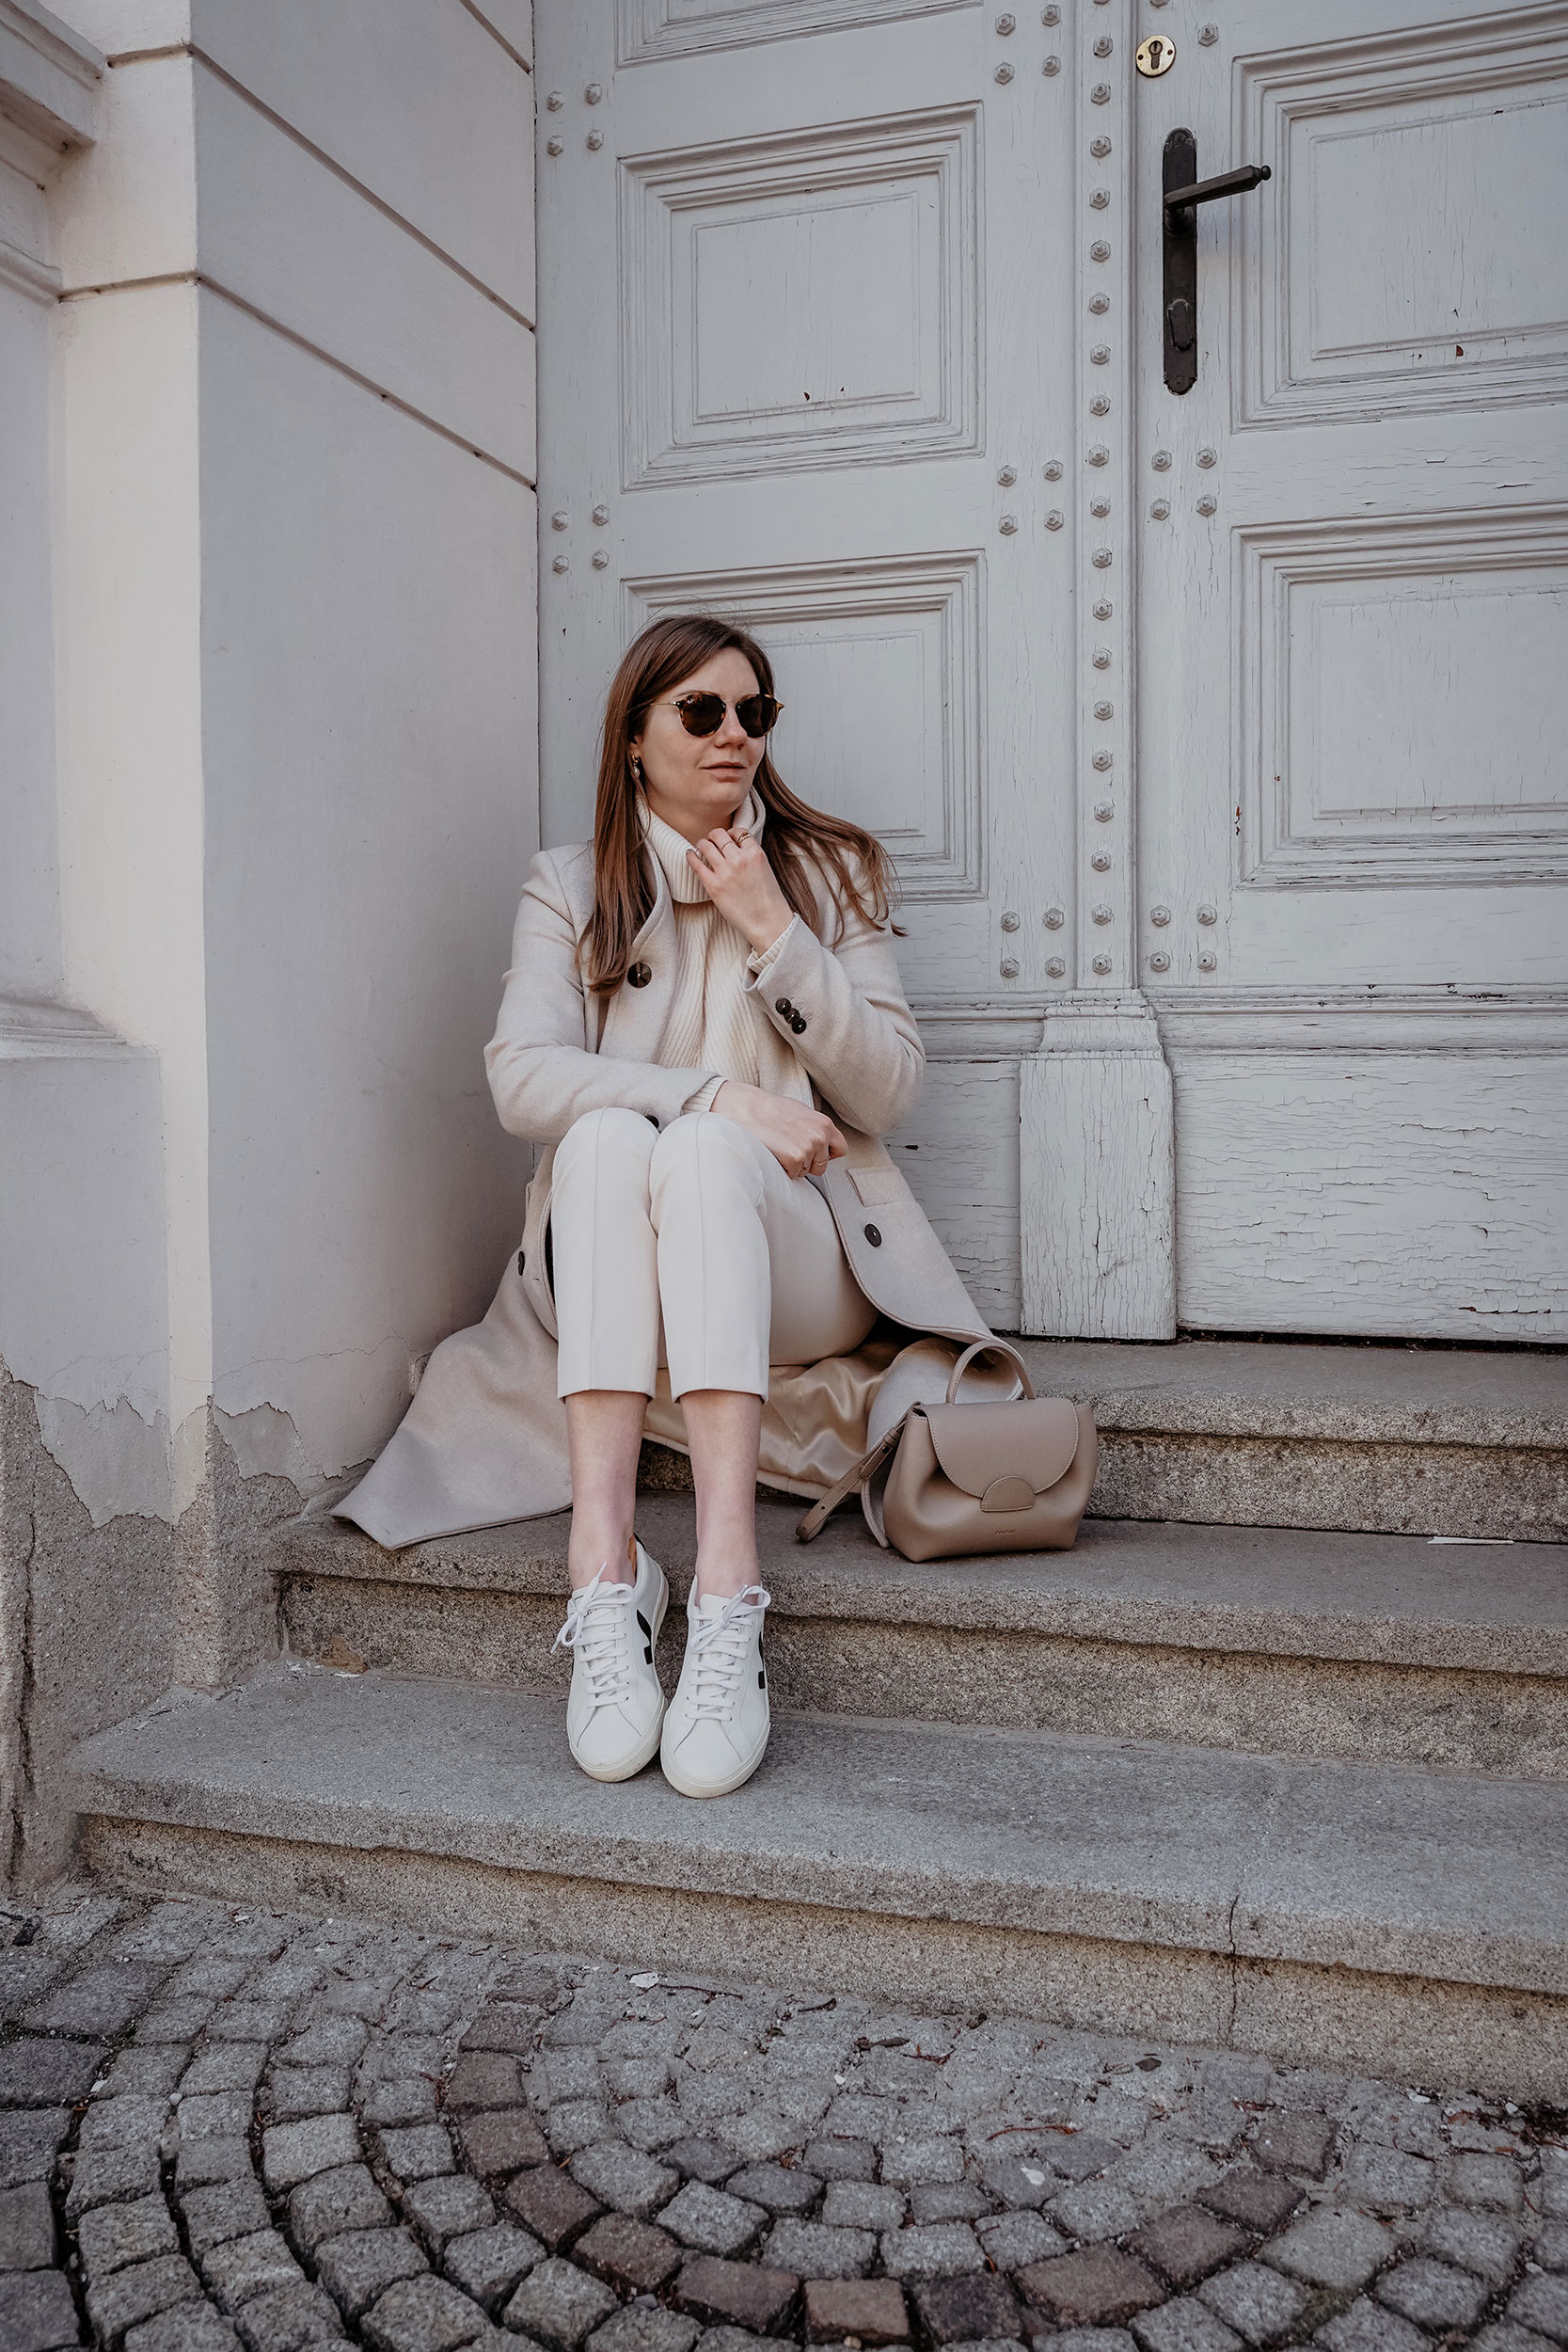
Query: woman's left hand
x=734, y=871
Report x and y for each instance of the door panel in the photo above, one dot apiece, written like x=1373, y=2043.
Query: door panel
x=802, y=354
x=1354, y=542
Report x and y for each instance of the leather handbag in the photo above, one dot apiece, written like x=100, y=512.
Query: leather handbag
x=950, y=1479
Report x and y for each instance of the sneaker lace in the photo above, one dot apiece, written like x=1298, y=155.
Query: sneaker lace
x=597, y=1616
x=719, y=1653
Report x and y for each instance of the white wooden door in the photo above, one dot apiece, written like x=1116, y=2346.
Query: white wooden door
x=1240, y=771
x=1352, y=667
x=807, y=282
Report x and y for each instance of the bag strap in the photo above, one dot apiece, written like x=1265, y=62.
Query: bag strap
x=865, y=1471
x=988, y=1348
x=866, y=1467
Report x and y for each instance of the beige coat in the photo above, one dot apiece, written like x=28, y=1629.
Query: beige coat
x=484, y=1439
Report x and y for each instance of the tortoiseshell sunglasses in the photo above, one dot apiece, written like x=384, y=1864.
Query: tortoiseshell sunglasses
x=704, y=713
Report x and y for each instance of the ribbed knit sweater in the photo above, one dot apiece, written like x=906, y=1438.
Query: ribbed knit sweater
x=711, y=1027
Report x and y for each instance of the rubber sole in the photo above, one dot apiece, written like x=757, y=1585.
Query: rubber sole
x=645, y=1753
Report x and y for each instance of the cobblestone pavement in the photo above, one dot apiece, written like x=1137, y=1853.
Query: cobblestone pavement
x=220, y=2129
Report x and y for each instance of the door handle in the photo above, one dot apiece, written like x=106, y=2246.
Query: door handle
x=1182, y=192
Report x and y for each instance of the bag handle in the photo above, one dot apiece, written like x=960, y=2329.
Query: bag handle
x=988, y=1348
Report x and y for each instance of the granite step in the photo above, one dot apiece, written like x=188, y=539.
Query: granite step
x=1368, y=1917
x=1368, y=1649
x=1405, y=1440
x=1398, y=1440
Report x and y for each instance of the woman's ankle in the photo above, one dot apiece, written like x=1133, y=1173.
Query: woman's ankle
x=724, y=1574
x=597, y=1546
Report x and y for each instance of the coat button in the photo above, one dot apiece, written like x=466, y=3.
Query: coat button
x=521, y=1263
x=797, y=1023
x=874, y=1237
x=785, y=1006
x=639, y=975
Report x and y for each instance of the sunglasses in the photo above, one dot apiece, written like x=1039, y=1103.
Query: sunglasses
x=703, y=714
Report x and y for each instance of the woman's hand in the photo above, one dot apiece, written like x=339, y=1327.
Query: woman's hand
x=801, y=1139
x=736, y=874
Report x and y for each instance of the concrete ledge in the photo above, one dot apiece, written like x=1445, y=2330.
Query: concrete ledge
x=1285, y=1592
x=1473, y=1396
x=1407, y=1441
x=1511, y=2044
x=1393, y=1872
x=1276, y=1706
x=1366, y=1649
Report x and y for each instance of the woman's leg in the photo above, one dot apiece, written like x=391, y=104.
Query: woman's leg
x=604, y=1435
x=706, y=1189
x=741, y=1249
x=606, y=1278
x=722, y=1429
x=751, y=1270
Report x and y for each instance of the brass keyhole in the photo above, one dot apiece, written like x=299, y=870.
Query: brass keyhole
x=1155, y=56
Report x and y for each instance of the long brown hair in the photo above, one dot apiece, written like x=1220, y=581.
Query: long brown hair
x=796, y=838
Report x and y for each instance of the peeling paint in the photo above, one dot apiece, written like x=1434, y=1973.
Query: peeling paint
x=117, y=1462
x=266, y=1443
x=310, y=1416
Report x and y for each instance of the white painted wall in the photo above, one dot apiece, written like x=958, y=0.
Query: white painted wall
x=267, y=576
x=297, y=619
x=29, y=849
x=366, y=833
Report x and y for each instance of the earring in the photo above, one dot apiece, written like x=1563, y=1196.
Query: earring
x=637, y=771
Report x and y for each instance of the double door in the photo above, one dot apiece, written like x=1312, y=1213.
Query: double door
x=1200, y=723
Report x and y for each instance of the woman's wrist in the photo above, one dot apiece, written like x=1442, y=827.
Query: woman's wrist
x=762, y=951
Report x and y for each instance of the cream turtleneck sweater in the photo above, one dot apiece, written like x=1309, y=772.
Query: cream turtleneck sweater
x=711, y=1027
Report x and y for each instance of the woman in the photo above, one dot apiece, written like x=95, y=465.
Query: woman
x=704, y=1018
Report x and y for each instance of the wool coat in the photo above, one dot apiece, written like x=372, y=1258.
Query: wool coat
x=484, y=1439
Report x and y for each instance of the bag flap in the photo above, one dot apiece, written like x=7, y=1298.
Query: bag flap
x=1035, y=1438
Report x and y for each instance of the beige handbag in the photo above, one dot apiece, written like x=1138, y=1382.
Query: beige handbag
x=950, y=1479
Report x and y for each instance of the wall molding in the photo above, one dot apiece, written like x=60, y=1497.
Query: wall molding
x=1498, y=1021
x=1447, y=1021
x=49, y=89
x=26, y=274
x=1097, y=1176
x=36, y=1028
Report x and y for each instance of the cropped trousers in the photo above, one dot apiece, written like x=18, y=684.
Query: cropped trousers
x=692, y=1248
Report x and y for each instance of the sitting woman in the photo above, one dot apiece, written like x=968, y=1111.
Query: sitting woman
x=704, y=1018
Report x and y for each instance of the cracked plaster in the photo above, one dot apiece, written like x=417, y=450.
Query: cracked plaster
x=104, y=1608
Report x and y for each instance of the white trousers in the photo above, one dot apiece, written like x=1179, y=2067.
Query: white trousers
x=694, y=1249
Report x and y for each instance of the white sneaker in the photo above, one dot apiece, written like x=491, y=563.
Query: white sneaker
x=718, y=1722
x=617, y=1710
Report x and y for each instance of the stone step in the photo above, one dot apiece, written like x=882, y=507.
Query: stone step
x=1371, y=1917
x=1362, y=1648
x=1405, y=1440
x=1398, y=1440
